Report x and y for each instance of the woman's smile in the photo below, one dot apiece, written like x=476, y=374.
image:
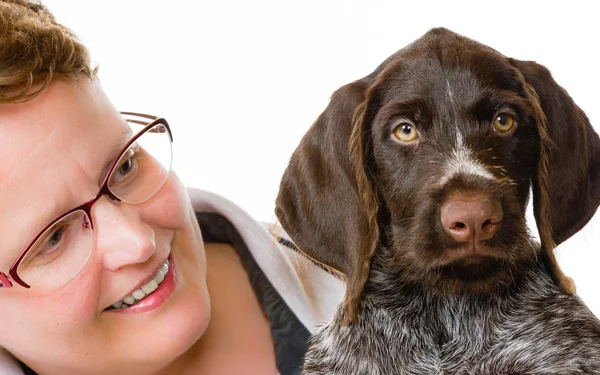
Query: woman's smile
x=152, y=294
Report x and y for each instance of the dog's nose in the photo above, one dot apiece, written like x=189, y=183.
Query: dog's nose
x=468, y=220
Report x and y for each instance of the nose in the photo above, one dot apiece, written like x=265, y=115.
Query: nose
x=122, y=237
x=471, y=220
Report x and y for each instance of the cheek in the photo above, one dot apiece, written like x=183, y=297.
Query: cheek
x=169, y=208
x=33, y=320
x=520, y=159
x=401, y=182
x=171, y=215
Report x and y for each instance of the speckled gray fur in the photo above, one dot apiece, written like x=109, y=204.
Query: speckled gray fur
x=533, y=328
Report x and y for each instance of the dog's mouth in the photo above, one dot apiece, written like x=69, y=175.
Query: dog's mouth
x=473, y=262
x=472, y=268
x=474, y=252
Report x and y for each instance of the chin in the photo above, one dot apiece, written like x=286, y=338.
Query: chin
x=473, y=276
x=186, y=316
x=185, y=323
x=486, y=272
x=175, y=328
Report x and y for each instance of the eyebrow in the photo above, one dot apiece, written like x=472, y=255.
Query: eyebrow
x=411, y=107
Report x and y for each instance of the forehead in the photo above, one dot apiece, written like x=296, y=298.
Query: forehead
x=449, y=71
x=53, y=150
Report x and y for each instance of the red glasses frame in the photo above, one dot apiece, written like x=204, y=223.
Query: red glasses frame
x=5, y=281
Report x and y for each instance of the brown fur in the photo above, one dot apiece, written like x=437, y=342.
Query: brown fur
x=340, y=197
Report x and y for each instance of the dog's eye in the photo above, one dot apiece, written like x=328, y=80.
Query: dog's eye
x=405, y=132
x=504, y=122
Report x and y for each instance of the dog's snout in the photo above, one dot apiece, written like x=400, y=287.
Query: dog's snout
x=471, y=220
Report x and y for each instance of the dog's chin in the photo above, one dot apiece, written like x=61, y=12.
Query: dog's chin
x=473, y=277
x=474, y=269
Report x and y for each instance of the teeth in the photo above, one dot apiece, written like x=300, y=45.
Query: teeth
x=129, y=300
x=158, y=278
x=138, y=294
x=151, y=286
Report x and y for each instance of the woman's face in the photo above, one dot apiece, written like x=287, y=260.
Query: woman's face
x=54, y=151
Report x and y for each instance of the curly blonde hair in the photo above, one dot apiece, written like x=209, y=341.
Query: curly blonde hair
x=34, y=49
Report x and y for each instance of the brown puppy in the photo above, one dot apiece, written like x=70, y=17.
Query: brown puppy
x=415, y=181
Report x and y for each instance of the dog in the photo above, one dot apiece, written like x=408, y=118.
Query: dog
x=413, y=184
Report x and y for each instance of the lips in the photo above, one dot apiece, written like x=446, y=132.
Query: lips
x=474, y=252
x=472, y=269
x=145, y=290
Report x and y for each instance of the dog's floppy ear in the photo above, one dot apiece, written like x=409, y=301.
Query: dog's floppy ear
x=326, y=202
x=567, y=188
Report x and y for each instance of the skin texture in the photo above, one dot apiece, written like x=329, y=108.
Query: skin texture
x=55, y=149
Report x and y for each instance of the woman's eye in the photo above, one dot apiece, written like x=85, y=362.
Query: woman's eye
x=127, y=163
x=405, y=132
x=126, y=166
x=504, y=122
x=55, y=238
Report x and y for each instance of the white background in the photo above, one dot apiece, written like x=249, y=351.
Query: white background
x=242, y=81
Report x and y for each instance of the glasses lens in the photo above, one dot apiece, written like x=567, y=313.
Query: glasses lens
x=59, y=253
x=144, y=167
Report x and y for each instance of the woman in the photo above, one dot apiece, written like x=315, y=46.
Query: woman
x=103, y=266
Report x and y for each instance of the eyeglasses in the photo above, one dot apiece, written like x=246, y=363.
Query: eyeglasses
x=60, y=251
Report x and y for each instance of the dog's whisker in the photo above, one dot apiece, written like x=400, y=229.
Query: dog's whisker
x=512, y=275
x=529, y=242
x=406, y=219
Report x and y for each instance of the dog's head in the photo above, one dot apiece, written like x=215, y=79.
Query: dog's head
x=435, y=153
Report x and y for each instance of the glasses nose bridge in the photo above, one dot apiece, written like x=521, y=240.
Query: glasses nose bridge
x=103, y=191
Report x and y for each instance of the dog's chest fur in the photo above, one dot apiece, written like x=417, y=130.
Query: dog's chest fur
x=533, y=330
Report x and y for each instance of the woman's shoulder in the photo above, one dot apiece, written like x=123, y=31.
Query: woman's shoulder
x=8, y=365
x=310, y=291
